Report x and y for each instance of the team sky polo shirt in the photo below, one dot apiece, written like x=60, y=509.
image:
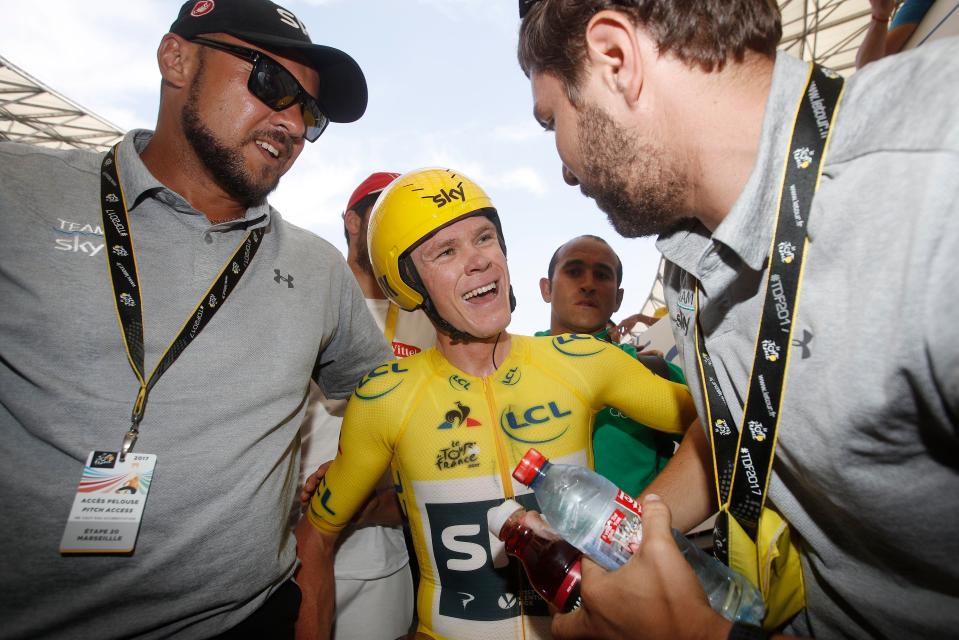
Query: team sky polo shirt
x=867, y=446
x=223, y=420
x=452, y=440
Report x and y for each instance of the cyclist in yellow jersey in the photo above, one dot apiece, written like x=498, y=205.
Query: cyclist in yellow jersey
x=453, y=421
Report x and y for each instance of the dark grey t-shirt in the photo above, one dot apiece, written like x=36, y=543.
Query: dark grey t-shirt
x=868, y=449
x=223, y=419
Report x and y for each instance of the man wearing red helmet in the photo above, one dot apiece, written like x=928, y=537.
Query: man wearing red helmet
x=372, y=565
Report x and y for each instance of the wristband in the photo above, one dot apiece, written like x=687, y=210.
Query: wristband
x=881, y=20
x=743, y=631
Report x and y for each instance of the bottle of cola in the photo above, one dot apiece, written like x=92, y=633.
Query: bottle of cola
x=552, y=566
x=605, y=523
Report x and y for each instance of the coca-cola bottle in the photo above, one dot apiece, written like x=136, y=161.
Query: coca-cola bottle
x=604, y=522
x=552, y=566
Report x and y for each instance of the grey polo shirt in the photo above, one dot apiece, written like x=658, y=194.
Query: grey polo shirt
x=868, y=451
x=223, y=420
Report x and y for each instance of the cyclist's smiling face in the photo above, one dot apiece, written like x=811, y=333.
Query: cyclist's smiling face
x=465, y=274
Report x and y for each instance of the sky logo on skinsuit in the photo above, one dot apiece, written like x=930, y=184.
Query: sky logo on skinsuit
x=458, y=416
x=514, y=423
x=463, y=554
x=578, y=344
x=374, y=385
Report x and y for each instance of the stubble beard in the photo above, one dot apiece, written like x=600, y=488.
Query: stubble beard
x=225, y=164
x=363, y=253
x=629, y=179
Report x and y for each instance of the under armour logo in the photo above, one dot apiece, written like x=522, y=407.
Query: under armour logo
x=288, y=278
x=806, y=339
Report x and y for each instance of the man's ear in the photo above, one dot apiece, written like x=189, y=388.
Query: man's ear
x=619, y=300
x=614, y=53
x=546, y=290
x=177, y=59
x=353, y=222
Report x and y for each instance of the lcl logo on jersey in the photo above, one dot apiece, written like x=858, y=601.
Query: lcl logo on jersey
x=512, y=376
x=578, y=344
x=536, y=425
x=379, y=386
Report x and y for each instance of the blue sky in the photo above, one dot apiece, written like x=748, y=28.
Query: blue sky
x=445, y=90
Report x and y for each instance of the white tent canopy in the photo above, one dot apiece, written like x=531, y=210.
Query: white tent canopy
x=33, y=113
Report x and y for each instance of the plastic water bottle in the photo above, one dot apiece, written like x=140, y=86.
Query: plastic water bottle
x=552, y=566
x=602, y=521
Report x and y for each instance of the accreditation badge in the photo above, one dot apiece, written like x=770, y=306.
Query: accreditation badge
x=108, y=506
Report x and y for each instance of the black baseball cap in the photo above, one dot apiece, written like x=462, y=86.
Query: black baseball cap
x=343, y=93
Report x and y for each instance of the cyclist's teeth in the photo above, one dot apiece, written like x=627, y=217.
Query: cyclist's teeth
x=273, y=151
x=479, y=291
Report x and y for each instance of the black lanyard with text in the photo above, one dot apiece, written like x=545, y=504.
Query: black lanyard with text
x=126, y=290
x=742, y=465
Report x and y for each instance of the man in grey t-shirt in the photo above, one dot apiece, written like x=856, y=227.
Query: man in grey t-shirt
x=676, y=118
x=243, y=90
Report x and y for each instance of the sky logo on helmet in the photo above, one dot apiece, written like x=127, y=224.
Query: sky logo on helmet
x=770, y=350
x=446, y=196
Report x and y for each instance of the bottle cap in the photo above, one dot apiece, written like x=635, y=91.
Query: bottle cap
x=529, y=466
x=497, y=516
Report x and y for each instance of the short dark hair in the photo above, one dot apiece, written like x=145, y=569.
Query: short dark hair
x=362, y=207
x=703, y=33
x=551, y=270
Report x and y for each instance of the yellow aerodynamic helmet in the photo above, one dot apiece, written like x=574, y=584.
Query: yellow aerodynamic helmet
x=408, y=212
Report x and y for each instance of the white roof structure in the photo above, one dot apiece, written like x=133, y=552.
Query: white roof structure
x=33, y=113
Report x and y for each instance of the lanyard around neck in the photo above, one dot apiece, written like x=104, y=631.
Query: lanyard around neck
x=743, y=454
x=121, y=258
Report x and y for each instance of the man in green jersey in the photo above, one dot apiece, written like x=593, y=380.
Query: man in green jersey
x=583, y=289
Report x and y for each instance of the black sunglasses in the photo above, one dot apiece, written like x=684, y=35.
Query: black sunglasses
x=275, y=87
x=525, y=6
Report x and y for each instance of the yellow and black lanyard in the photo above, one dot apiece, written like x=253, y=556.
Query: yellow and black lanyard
x=743, y=456
x=122, y=262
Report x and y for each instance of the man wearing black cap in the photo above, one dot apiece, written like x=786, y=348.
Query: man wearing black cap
x=208, y=320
